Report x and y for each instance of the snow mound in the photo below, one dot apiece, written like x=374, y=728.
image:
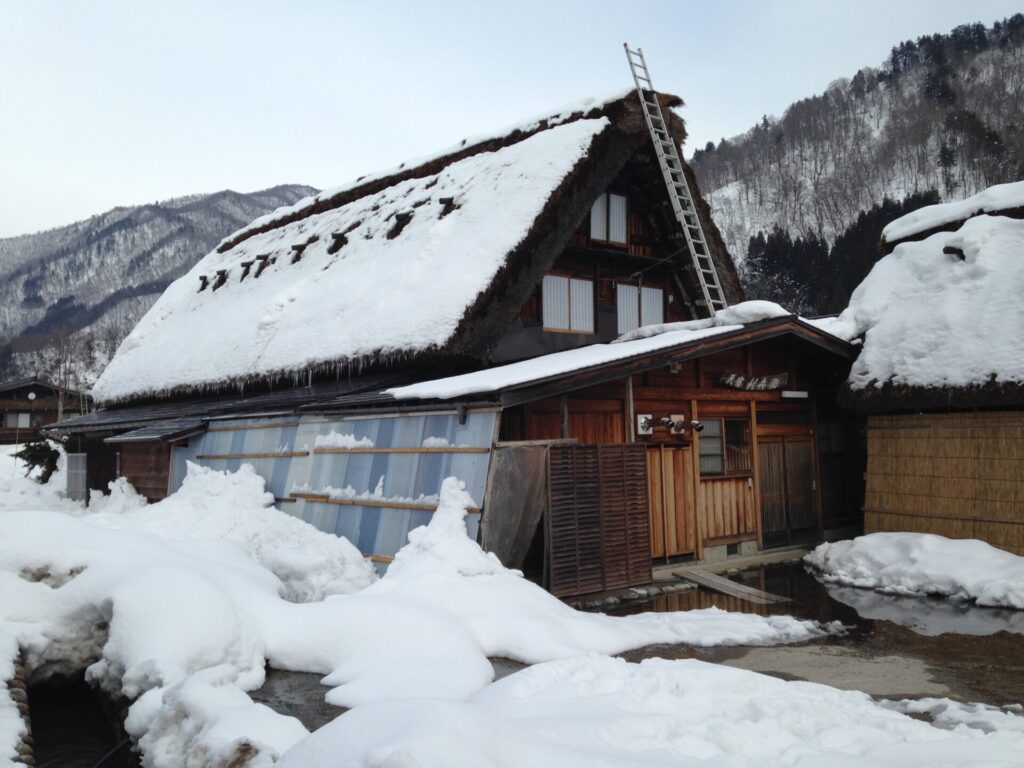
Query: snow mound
x=933, y=319
x=234, y=506
x=924, y=564
x=148, y=599
x=1000, y=197
x=21, y=491
x=597, y=711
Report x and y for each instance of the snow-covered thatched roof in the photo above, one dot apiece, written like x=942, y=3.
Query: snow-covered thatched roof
x=392, y=267
x=1005, y=199
x=942, y=321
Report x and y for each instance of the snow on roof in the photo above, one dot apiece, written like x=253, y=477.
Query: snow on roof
x=642, y=341
x=931, y=318
x=391, y=272
x=1000, y=197
x=551, y=119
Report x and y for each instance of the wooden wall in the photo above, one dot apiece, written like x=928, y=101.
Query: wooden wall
x=689, y=512
x=147, y=466
x=960, y=475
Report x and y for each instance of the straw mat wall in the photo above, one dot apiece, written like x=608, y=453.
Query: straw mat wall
x=960, y=475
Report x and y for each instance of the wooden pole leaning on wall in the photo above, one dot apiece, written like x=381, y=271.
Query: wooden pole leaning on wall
x=565, y=416
x=755, y=465
x=697, y=496
x=630, y=416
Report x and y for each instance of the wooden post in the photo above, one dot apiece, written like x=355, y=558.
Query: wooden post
x=698, y=510
x=755, y=463
x=630, y=416
x=816, y=465
x=565, y=417
x=664, y=500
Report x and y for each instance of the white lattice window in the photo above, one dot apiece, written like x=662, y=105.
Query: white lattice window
x=568, y=304
x=608, y=219
x=639, y=305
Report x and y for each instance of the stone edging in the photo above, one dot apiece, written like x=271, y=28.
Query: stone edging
x=17, y=688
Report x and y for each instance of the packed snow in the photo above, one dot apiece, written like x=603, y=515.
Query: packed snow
x=598, y=712
x=19, y=488
x=639, y=342
x=1000, y=197
x=180, y=605
x=933, y=319
x=365, y=299
x=924, y=564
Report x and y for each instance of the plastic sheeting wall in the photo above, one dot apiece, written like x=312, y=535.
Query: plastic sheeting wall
x=392, y=459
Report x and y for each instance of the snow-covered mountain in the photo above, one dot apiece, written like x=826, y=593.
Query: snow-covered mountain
x=103, y=273
x=943, y=113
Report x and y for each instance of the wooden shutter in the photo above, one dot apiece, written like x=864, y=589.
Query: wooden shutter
x=598, y=522
x=628, y=300
x=652, y=306
x=555, y=300
x=581, y=304
x=617, y=219
x=599, y=219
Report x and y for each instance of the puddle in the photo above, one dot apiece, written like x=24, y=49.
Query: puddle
x=896, y=646
x=74, y=727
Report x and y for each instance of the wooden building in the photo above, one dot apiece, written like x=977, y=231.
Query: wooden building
x=521, y=313
x=940, y=377
x=26, y=405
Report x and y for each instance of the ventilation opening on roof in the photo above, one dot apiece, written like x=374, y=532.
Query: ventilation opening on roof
x=222, y=277
x=203, y=282
x=297, y=252
x=246, y=266
x=340, y=239
x=418, y=203
x=431, y=183
x=449, y=206
x=401, y=221
x=951, y=250
x=265, y=261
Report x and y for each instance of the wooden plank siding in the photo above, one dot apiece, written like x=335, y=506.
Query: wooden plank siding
x=147, y=466
x=726, y=507
x=960, y=475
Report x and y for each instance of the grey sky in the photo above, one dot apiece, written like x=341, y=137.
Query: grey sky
x=119, y=103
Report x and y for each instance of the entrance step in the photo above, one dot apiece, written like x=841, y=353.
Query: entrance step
x=726, y=586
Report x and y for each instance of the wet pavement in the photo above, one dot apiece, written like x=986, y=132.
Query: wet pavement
x=895, y=647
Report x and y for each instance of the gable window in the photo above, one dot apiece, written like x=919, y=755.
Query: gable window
x=608, y=219
x=568, y=304
x=725, y=447
x=639, y=305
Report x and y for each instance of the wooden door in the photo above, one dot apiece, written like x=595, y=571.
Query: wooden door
x=789, y=510
x=673, y=517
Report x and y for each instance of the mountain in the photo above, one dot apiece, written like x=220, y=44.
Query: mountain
x=94, y=279
x=944, y=113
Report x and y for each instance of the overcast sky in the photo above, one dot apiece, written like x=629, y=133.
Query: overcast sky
x=110, y=103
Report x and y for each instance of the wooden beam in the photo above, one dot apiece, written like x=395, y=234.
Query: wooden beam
x=697, y=496
x=272, y=425
x=451, y=449
x=319, y=498
x=281, y=455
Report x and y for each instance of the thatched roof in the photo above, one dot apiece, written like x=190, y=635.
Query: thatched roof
x=941, y=322
x=431, y=261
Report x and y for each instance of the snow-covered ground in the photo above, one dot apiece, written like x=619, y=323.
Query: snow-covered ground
x=924, y=564
x=180, y=606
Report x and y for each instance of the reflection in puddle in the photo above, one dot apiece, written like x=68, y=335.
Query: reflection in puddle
x=929, y=616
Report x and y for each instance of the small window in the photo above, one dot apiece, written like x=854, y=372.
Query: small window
x=725, y=447
x=639, y=306
x=568, y=304
x=14, y=420
x=608, y=219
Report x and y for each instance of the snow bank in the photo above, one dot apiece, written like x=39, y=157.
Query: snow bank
x=638, y=342
x=1000, y=197
x=366, y=298
x=924, y=564
x=18, y=491
x=150, y=599
x=598, y=711
x=932, y=319
x=233, y=506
